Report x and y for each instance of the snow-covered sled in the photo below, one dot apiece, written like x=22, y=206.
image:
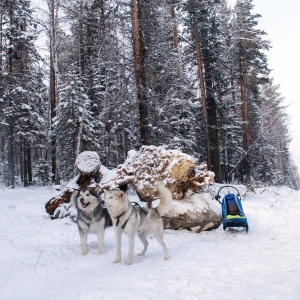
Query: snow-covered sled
x=232, y=211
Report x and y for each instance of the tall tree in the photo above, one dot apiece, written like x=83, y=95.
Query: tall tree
x=251, y=64
x=203, y=21
x=23, y=94
x=139, y=49
x=54, y=41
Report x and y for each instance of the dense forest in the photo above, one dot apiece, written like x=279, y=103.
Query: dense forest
x=113, y=75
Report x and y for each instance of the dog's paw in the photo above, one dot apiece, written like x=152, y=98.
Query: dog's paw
x=128, y=262
x=167, y=257
x=101, y=252
x=117, y=260
x=141, y=254
x=84, y=251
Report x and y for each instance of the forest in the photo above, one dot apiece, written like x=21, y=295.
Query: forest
x=112, y=75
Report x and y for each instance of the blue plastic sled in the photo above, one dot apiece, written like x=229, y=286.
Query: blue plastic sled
x=232, y=211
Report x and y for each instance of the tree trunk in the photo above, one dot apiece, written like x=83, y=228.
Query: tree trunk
x=81, y=45
x=53, y=90
x=102, y=18
x=244, y=105
x=211, y=108
x=29, y=165
x=245, y=164
x=143, y=111
x=175, y=31
x=79, y=135
x=175, y=34
x=25, y=164
x=1, y=48
x=12, y=182
x=232, y=87
x=202, y=89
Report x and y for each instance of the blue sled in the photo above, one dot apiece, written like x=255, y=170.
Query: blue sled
x=232, y=211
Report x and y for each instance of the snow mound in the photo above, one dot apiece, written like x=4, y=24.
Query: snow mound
x=88, y=162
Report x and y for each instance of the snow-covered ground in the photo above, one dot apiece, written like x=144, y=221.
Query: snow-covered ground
x=40, y=258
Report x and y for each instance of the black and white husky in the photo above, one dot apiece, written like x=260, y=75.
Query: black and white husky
x=136, y=220
x=91, y=216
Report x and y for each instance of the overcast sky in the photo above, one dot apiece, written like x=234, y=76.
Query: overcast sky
x=280, y=19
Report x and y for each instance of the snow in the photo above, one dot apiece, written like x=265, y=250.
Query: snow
x=40, y=258
x=88, y=161
x=196, y=203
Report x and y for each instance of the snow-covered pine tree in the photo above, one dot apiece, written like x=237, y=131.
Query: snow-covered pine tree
x=113, y=84
x=24, y=109
x=207, y=43
x=74, y=123
x=250, y=69
x=229, y=118
x=270, y=159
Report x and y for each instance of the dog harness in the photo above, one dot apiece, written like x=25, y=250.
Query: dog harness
x=136, y=205
x=118, y=220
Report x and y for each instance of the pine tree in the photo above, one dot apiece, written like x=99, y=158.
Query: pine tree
x=251, y=67
x=74, y=123
x=203, y=23
x=23, y=95
x=270, y=158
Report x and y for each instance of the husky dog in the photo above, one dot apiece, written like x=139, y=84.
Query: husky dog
x=91, y=216
x=136, y=220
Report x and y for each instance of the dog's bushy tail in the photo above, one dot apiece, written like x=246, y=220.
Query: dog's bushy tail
x=165, y=199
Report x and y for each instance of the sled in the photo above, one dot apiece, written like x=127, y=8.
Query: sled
x=232, y=210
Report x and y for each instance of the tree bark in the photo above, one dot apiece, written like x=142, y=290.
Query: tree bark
x=245, y=164
x=202, y=89
x=143, y=111
x=102, y=18
x=12, y=157
x=175, y=37
x=27, y=170
x=175, y=31
x=81, y=43
x=12, y=182
x=211, y=108
x=79, y=135
x=53, y=90
x=1, y=48
x=232, y=86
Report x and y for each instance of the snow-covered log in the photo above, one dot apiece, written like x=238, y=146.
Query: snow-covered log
x=88, y=164
x=124, y=173
x=197, y=212
x=178, y=171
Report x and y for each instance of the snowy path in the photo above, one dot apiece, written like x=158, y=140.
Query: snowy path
x=40, y=258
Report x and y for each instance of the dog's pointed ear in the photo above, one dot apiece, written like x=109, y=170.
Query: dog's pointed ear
x=74, y=197
x=105, y=190
x=97, y=189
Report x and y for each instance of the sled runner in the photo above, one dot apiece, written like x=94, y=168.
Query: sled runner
x=232, y=210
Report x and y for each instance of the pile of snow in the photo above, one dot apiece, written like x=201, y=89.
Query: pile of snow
x=40, y=258
x=88, y=162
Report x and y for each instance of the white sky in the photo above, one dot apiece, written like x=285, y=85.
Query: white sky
x=281, y=20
